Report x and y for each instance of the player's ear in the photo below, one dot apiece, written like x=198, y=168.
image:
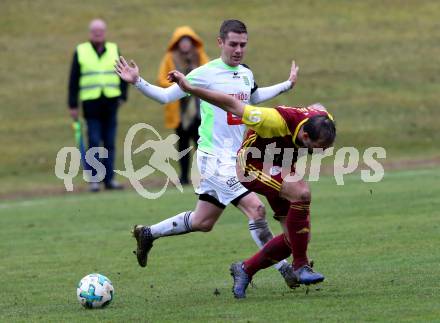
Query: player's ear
x=220, y=42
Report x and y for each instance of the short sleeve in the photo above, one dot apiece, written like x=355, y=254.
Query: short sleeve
x=198, y=77
x=254, y=84
x=254, y=87
x=266, y=122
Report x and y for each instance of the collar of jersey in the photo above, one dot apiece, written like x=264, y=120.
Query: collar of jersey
x=295, y=134
x=219, y=62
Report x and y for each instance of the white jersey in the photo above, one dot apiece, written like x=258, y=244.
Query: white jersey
x=221, y=133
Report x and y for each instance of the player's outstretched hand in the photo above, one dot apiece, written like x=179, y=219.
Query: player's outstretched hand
x=293, y=73
x=180, y=79
x=127, y=72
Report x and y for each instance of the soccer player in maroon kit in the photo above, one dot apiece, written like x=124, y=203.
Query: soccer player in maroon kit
x=261, y=169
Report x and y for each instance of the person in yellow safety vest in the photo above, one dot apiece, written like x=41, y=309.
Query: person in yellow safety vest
x=184, y=53
x=100, y=91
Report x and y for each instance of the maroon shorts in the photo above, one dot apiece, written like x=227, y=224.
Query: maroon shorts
x=265, y=183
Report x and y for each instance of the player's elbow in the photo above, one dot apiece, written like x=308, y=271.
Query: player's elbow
x=162, y=101
x=236, y=108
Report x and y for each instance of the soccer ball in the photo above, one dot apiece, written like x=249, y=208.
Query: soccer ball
x=95, y=291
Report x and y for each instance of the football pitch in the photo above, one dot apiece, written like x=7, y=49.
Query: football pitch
x=377, y=244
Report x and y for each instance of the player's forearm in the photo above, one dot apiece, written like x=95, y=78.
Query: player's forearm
x=159, y=94
x=267, y=93
x=221, y=100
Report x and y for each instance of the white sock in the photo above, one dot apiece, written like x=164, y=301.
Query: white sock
x=178, y=224
x=261, y=234
x=281, y=264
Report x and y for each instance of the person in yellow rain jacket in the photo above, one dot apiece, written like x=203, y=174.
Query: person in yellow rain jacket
x=185, y=52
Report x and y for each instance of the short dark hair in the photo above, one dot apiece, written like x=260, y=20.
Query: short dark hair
x=232, y=25
x=321, y=128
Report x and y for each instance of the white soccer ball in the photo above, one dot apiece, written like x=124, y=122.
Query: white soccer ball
x=95, y=291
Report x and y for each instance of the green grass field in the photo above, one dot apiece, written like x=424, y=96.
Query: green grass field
x=378, y=250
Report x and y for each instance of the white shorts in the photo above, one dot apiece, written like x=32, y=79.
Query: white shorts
x=218, y=178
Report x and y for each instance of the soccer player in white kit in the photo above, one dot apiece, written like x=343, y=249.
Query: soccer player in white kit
x=221, y=135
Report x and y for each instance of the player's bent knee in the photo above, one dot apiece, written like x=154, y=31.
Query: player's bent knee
x=260, y=212
x=256, y=212
x=305, y=195
x=298, y=195
x=204, y=226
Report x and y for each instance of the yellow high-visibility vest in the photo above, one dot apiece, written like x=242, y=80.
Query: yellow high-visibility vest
x=97, y=73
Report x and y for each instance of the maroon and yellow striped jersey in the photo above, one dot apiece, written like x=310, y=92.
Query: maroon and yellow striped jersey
x=274, y=128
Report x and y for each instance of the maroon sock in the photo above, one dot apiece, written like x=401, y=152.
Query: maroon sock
x=298, y=226
x=272, y=252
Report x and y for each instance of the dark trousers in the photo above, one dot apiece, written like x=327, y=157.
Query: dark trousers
x=101, y=119
x=185, y=136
